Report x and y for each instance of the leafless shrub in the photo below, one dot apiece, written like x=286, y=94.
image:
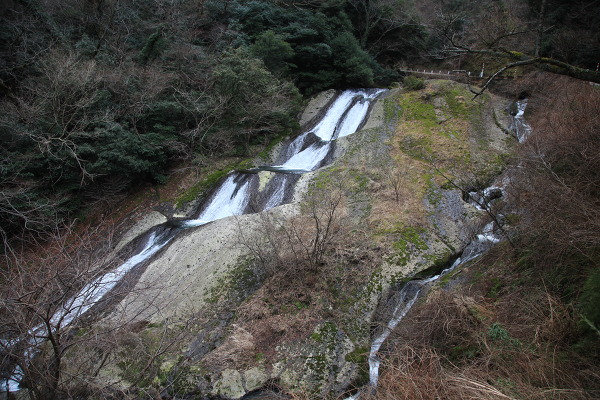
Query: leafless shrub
x=49, y=342
x=560, y=177
x=394, y=176
x=36, y=287
x=444, y=322
x=298, y=245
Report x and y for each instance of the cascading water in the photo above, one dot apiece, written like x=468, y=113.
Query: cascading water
x=79, y=304
x=521, y=128
x=230, y=199
x=307, y=152
x=325, y=129
x=343, y=118
x=96, y=290
x=305, y=160
x=482, y=242
x=409, y=294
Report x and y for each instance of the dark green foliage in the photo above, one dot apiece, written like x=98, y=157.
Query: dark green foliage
x=354, y=64
x=413, y=83
x=318, y=42
x=241, y=77
x=164, y=115
x=574, y=36
x=257, y=104
x=114, y=151
x=154, y=46
x=274, y=51
x=498, y=334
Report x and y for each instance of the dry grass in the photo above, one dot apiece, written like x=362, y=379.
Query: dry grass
x=297, y=293
x=501, y=335
x=562, y=175
x=420, y=374
x=295, y=299
x=389, y=207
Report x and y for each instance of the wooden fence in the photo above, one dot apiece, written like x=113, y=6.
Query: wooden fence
x=455, y=75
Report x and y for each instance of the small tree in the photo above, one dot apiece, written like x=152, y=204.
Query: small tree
x=300, y=244
x=51, y=301
x=274, y=51
x=37, y=312
x=413, y=83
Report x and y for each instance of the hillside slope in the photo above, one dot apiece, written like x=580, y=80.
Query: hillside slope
x=270, y=314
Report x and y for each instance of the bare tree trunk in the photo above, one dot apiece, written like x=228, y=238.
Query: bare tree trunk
x=540, y=28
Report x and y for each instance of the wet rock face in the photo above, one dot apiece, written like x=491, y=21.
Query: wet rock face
x=481, y=199
x=329, y=355
x=148, y=222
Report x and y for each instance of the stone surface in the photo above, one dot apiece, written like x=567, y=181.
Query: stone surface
x=178, y=281
x=148, y=222
x=316, y=106
x=230, y=385
x=317, y=364
x=376, y=116
x=255, y=378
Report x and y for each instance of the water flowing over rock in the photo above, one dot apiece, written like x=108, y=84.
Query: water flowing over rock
x=519, y=126
x=235, y=196
x=184, y=265
x=487, y=237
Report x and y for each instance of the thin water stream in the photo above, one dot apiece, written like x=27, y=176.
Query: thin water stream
x=521, y=128
x=482, y=242
x=409, y=293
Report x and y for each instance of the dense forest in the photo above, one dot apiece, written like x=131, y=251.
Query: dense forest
x=98, y=96
x=102, y=99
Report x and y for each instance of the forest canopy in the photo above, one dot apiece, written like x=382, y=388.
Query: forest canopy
x=99, y=96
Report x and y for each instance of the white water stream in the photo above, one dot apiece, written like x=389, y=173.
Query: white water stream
x=325, y=129
x=79, y=304
x=520, y=126
x=410, y=292
x=229, y=200
x=345, y=115
x=343, y=118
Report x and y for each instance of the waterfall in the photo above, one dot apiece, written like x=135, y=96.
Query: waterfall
x=521, y=128
x=91, y=293
x=79, y=304
x=306, y=153
x=230, y=199
x=482, y=242
x=344, y=117
x=325, y=129
x=408, y=295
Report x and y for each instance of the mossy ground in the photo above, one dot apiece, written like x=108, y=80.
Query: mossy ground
x=387, y=175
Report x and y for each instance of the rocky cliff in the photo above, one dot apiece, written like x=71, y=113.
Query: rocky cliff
x=252, y=322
